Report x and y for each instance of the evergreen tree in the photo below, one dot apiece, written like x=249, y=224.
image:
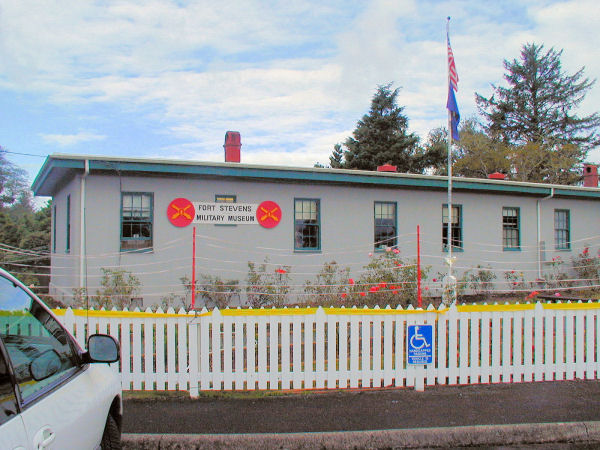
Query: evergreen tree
x=22, y=227
x=10, y=232
x=381, y=137
x=337, y=157
x=538, y=106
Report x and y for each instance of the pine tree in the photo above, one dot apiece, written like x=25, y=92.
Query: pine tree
x=336, y=160
x=381, y=137
x=538, y=106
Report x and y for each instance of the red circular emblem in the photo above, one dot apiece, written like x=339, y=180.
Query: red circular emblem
x=181, y=212
x=268, y=214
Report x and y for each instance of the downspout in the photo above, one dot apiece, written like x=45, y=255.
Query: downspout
x=539, y=231
x=82, y=229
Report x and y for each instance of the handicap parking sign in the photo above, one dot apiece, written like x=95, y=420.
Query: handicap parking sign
x=420, y=344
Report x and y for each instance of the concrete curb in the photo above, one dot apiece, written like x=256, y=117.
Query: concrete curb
x=446, y=437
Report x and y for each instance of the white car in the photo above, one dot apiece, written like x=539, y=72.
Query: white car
x=53, y=394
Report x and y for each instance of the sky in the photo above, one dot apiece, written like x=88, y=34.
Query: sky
x=167, y=79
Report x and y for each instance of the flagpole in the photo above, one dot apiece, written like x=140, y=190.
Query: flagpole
x=449, y=232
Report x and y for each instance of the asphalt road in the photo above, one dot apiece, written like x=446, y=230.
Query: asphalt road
x=441, y=406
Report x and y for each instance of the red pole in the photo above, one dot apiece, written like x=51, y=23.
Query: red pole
x=194, y=268
x=419, y=295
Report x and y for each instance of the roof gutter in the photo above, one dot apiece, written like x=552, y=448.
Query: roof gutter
x=539, y=230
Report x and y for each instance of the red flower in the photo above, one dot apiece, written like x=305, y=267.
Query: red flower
x=362, y=294
x=280, y=271
x=382, y=285
x=344, y=295
x=351, y=281
x=434, y=280
x=394, y=292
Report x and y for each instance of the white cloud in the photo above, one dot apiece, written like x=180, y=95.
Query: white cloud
x=573, y=27
x=295, y=76
x=69, y=140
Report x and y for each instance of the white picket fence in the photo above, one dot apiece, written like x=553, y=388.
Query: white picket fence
x=337, y=348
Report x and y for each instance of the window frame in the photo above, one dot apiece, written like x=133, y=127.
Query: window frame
x=233, y=200
x=54, y=216
x=148, y=248
x=505, y=227
x=10, y=395
x=317, y=225
x=461, y=240
x=567, y=242
x=389, y=242
x=223, y=196
x=68, y=226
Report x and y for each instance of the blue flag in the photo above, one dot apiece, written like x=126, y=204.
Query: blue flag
x=454, y=114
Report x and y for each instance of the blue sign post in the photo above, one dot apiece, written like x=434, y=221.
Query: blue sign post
x=420, y=344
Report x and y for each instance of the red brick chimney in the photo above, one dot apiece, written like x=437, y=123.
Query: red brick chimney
x=233, y=145
x=590, y=175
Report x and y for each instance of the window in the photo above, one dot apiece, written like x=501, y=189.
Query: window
x=40, y=350
x=136, y=220
x=307, y=224
x=54, y=229
x=225, y=198
x=68, y=240
x=456, y=228
x=511, y=236
x=8, y=400
x=385, y=225
x=562, y=229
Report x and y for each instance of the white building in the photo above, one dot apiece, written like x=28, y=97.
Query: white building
x=119, y=213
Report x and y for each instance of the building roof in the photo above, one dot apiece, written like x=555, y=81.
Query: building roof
x=59, y=168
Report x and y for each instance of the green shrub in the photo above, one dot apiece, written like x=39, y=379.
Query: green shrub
x=389, y=280
x=331, y=287
x=586, y=267
x=217, y=292
x=118, y=287
x=481, y=281
x=266, y=286
x=515, y=280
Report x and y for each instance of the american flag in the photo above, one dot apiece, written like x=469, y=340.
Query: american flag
x=452, y=73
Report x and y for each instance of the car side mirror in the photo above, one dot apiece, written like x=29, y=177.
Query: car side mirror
x=102, y=348
x=45, y=365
